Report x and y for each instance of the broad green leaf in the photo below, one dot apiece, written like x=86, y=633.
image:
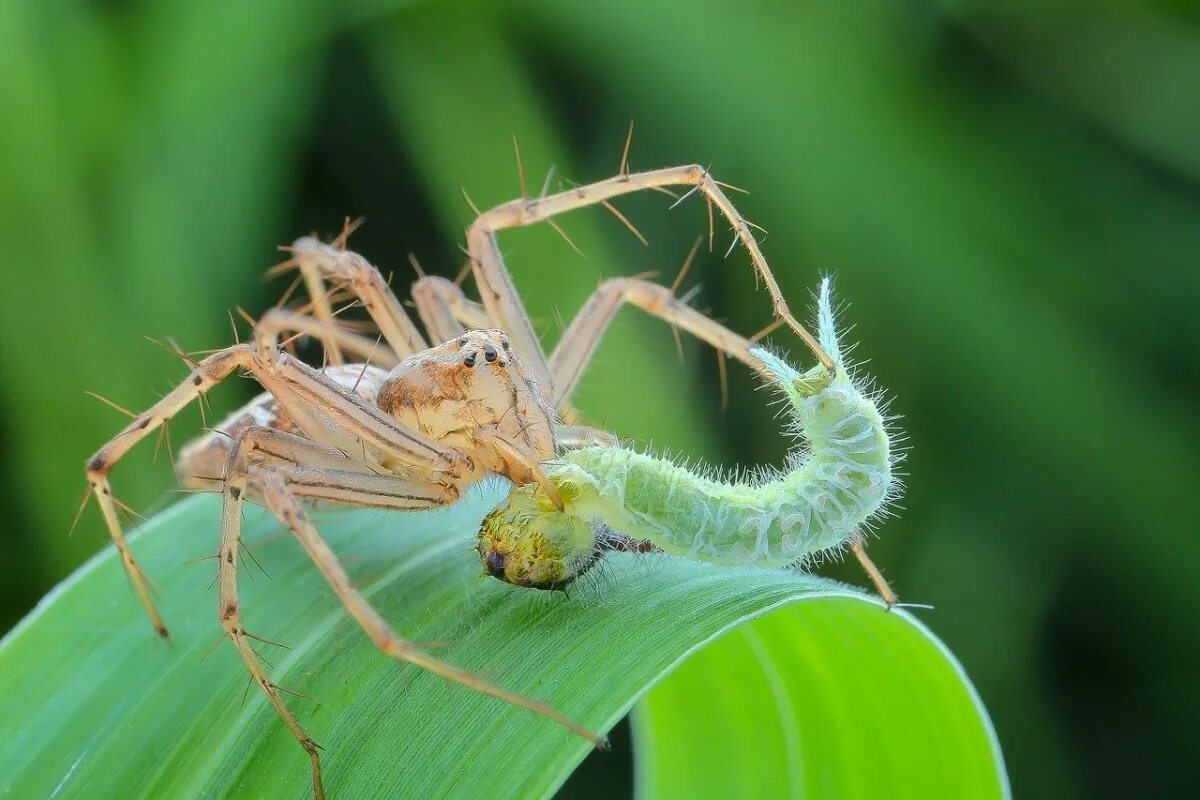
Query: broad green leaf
x=816, y=700
x=810, y=689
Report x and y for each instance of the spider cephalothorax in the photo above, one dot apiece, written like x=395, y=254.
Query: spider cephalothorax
x=469, y=382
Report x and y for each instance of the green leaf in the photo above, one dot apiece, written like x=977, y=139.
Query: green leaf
x=818, y=699
x=809, y=686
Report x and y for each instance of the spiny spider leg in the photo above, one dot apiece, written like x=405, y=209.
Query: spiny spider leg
x=282, y=485
x=499, y=294
x=303, y=392
x=287, y=507
x=858, y=546
x=579, y=341
x=207, y=373
x=341, y=485
x=345, y=266
x=278, y=322
x=308, y=261
x=445, y=310
x=306, y=395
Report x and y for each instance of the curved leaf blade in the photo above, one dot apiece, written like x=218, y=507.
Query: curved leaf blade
x=818, y=700
x=94, y=706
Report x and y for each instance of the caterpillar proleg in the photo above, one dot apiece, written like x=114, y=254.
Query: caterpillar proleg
x=611, y=494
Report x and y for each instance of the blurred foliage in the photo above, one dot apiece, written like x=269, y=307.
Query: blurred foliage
x=1008, y=194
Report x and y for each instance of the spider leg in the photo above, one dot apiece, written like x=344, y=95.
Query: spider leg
x=337, y=416
x=445, y=310
x=278, y=322
x=288, y=509
x=345, y=266
x=578, y=343
x=312, y=470
x=573, y=437
x=282, y=484
x=858, y=546
x=205, y=375
x=502, y=455
x=312, y=400
x=309, y=261
x=496, y=287
x=320, y=406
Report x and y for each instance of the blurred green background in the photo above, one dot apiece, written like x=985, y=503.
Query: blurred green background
x=1007, y=193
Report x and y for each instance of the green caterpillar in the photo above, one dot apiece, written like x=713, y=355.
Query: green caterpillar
x=615, y=497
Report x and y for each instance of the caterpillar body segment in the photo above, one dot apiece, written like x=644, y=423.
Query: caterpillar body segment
x=819, y=501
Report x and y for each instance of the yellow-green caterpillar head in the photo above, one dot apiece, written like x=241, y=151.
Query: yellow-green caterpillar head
x=528, y=542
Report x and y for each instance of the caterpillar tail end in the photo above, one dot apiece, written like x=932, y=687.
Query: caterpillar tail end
x=827, y=323
x=818, y=378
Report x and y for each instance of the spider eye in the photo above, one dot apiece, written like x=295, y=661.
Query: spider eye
x=469, y=361
x=505, y=344
x=463, y=341
x=490, y=353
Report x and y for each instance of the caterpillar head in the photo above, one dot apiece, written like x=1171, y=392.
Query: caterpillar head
x=527, y=542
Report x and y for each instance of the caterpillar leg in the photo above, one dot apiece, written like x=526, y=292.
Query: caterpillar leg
x=859, y=548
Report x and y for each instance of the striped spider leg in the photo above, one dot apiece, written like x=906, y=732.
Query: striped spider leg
x=495, y=284
x=347, y=449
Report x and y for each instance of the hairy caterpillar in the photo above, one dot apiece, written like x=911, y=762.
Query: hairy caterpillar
x=614, y=496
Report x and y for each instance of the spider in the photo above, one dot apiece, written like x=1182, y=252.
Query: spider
x=410, y=425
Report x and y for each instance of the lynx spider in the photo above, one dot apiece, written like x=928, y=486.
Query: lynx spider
x=412, y=425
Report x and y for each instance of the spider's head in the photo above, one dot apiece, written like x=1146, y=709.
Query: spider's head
x=481, y=347
x=529, y=543
x=473, y=380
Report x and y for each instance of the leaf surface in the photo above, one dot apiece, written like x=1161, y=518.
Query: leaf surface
x=795, y=682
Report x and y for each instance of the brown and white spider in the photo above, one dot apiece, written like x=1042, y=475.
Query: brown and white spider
x=413, y=425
